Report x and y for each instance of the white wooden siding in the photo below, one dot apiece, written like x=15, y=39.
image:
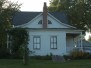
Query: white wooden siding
x=45, y=42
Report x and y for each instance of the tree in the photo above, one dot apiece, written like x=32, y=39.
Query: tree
x=7, y=10
x=78, y=11
x=19, y=48
x=19, y=36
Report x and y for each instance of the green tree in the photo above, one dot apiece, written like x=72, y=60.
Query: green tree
x=19, y=48
x=78, y=11
x=19, y=36
x=7, y=10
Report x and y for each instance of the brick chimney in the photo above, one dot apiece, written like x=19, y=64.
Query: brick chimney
x=45, y=16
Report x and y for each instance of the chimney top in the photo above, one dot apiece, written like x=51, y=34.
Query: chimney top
x=44, y=4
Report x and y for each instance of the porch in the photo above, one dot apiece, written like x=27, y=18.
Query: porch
x=73, y=42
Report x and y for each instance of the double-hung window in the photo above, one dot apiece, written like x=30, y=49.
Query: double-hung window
x=53, y=42
x=36, y=42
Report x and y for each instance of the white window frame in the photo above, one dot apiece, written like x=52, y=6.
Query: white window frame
x=53, y=42
x=36, y=42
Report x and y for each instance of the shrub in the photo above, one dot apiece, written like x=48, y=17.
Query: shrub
x=80, y=55
x=87, y=55
x=67, y=57
x=19, y=41
x=4, y=53
x=76, y=54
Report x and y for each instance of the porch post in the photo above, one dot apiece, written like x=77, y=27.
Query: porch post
x=81, y=43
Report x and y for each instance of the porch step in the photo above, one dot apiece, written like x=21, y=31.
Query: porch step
x=57, y=58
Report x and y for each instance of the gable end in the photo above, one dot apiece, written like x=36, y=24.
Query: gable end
x=63, y=23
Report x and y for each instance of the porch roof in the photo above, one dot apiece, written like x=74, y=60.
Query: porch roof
x=72, y=34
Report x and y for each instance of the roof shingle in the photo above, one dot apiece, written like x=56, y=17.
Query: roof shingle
x=24, y=17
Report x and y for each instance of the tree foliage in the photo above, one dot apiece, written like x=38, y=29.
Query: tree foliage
x=7, y=10
x=19, y=48
x=78, y=11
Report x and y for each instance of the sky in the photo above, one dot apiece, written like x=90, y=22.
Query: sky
x=31, y=5
x=87, y=35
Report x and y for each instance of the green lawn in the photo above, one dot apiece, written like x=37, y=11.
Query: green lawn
x=6, y=63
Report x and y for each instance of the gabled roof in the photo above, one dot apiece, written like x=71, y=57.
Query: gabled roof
x=61, y=16
x=24, y=17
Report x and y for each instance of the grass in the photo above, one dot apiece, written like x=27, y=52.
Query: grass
x=16, y=63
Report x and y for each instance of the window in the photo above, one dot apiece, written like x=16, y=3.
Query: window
x=49, y=22
x=40, y=22
x=53, y=42
x=36, y=42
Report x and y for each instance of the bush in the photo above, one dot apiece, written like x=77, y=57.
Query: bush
x=76, y=55
x=80, y=55
x=67, y=57
x=87, y=55
x=4, y=53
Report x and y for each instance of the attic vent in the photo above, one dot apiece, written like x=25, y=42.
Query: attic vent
x=49, y=22
x=40, y=22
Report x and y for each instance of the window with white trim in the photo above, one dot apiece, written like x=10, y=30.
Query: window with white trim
x=53, y=42
x=36, y=42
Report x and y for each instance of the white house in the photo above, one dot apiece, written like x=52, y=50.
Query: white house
x=49, y=32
